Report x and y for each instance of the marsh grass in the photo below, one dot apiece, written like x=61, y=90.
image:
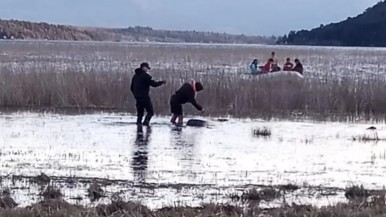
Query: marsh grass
x=222, y=96
x=375, y=208
x=96, y=77
x=372, y=204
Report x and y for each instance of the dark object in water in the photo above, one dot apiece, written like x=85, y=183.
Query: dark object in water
x=372, y=128
x=222, y=120
x=196, y=123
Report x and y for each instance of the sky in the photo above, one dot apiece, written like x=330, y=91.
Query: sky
x=251, y=17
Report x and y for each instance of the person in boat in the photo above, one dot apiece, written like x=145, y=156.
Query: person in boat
x=267, y=67
x=275, y=64
x=255, y=69
x=187, y=93
x=298, y=67
x=140, y=87
x=288, y=65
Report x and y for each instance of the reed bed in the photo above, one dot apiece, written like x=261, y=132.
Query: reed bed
x=60, y=76
x=58, y=208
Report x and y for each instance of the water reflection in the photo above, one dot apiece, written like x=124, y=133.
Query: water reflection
x=184, y=143
x=140, y=156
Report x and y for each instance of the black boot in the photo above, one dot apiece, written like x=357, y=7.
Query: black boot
x=139, y=121
x=146, y=122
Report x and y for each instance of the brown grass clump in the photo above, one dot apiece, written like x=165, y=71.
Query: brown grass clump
x=289, y=187
x=356, y=192
x=95, y=192
x=119, y=208
x=6, y=201
x=251, y=195
x=52, y=192
x=264, y=132
x=42, y=179
x=205, y=210
x=254, y=195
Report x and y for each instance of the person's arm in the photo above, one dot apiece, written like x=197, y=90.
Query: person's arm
x=196, y=105
x=154, y=83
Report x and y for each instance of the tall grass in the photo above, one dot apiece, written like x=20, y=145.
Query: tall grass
x=68, y=79
x=223, y=95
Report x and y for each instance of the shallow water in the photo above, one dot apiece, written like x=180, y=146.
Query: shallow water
x=164, y=166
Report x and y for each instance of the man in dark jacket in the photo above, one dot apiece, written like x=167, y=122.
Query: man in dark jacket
x=298, y=66
x=140, y=87
x=187, y=93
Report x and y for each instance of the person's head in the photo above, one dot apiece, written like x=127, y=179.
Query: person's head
x=297, y=61
x=273, y=54
x=270, y=60
x=145, y=66
x=255, y=61
x=199, y=86
x=288, y=59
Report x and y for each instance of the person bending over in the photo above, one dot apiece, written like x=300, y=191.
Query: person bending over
x=186, y=94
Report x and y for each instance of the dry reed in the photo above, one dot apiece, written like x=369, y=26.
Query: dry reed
x=97, y=76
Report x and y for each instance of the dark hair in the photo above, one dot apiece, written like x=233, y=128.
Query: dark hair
x=297, y=60
x=288, y=59
x=273, y=53
x=270, y=60
x=199, y=86
x=254, y=61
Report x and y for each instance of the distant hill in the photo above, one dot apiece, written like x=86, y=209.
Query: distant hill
x=139, y=33
x=14, y=29
x=366, y=29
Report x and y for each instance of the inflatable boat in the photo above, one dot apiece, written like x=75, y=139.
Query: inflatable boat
x=277, y=74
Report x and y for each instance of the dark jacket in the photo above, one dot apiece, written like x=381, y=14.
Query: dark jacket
x=298, y=68
x=288, y=66
x=141, y=83
x=186, y=94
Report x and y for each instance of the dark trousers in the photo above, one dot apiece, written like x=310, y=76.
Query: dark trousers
x=142, y=105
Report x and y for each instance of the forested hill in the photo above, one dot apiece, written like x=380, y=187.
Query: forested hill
x=141, y=33
x=15, y=29
x=367, y=29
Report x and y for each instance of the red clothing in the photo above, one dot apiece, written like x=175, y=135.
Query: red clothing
x=266, y=68
x=288, y=66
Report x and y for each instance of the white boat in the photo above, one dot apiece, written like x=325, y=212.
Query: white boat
x=277, y=74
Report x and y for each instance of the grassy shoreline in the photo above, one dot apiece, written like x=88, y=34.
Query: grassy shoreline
x=251, y=202
x=57, y=207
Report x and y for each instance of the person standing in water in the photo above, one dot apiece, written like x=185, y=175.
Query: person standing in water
x=187, y=93
x=140, y=87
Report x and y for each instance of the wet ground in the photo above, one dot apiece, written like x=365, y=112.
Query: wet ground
x=163, y=166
